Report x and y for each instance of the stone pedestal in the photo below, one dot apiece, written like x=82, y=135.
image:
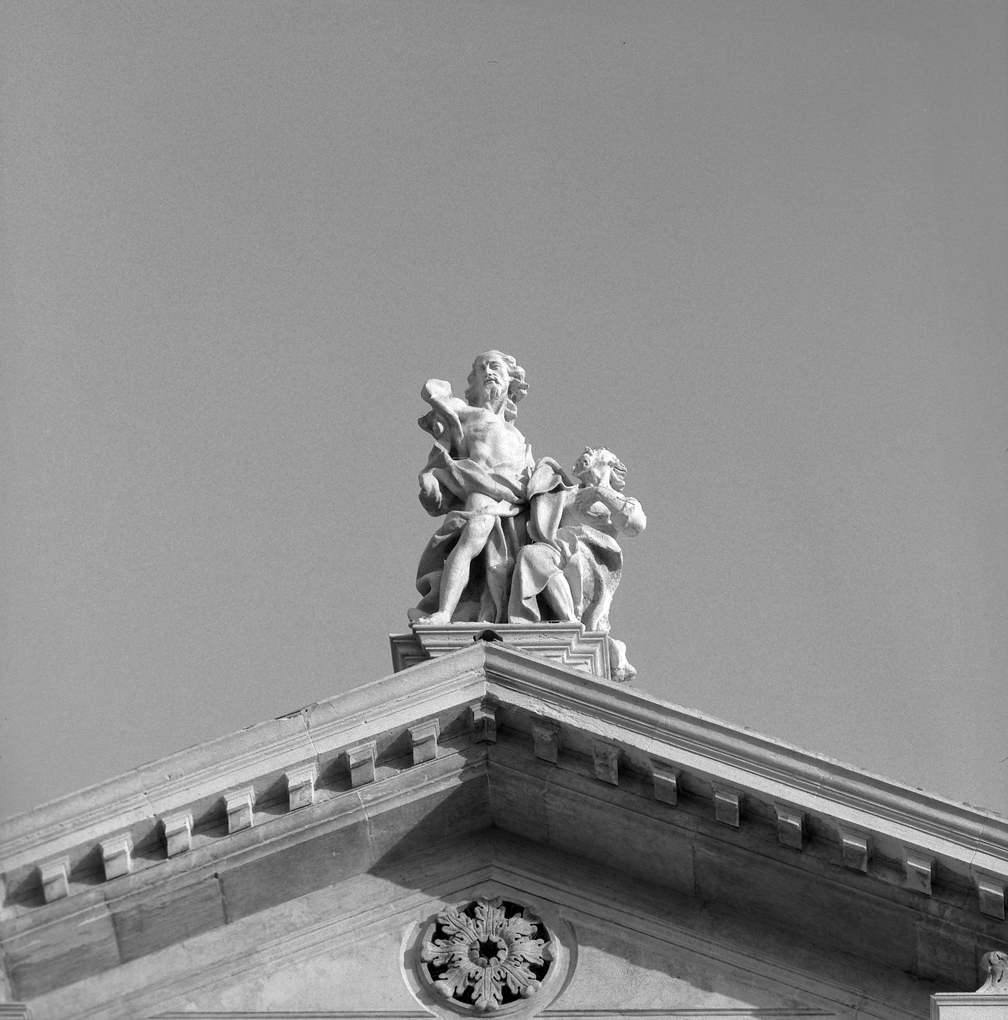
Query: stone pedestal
x=968, y=1006
x=568, y=643
x=988, y=1002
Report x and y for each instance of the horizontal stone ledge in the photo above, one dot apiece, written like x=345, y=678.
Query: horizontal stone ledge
x=174, y=831
x=968, y=1006
x=956, y=835
x=551, y=738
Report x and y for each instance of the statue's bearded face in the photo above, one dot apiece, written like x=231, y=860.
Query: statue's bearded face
x=492, y=377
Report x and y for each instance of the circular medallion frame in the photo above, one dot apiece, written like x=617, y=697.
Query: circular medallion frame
x=490, y=954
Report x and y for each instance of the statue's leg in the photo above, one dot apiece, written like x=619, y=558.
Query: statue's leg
x=456, y=569
x=558, y=595
x=537, y=566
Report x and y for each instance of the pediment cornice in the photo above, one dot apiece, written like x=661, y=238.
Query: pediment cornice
x=753, y=763
x=499, y=732
x=647, y=730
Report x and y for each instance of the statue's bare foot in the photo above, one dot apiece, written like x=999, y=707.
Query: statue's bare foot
x=441, y=617
x=619, y=667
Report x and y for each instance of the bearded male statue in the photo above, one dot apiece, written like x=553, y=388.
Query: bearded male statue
x=477, y=477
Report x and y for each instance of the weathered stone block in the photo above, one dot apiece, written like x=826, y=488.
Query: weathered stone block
x=361, y=762
x=547, y=739
x=72, y=947
x=946, y=953
x=991, y=893
x=413, y=819
x=55, y=878
x=517, y=800
x=917, y=867
x=484, y=722
x=293, y=870
x=178, y=832
x=155, y=918
x=786, y=896
x=790, y=826
x=854, y=850
x=593, y=821
x=117, y=855
x=606, y=758
x=239, y=806
x=301, y=785
x=423, y=740
x=666, y=783
x=726, y=807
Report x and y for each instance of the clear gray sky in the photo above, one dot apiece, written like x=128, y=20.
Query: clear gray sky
x=760, y=250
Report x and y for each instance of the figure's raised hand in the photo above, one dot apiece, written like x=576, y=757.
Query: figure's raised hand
x=436, y=391
x=429, y=422
x=589, y=495
x=442, y=421
x=586, y=496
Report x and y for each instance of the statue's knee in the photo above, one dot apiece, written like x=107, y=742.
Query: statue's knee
x=541, y=556
x=473, y=538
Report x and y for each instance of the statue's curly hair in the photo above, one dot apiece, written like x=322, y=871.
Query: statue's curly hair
x=617, y=476
x=517, y=387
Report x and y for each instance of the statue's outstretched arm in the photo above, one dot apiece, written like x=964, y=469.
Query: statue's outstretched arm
x=626, y=513
x=443, y=422
x=629, y=517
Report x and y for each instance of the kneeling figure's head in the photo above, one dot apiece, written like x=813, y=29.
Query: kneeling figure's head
x=600, y=467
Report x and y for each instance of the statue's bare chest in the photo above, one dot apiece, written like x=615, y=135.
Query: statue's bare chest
x=493, y=440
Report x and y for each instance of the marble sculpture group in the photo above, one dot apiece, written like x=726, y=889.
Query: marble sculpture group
x=522, y=541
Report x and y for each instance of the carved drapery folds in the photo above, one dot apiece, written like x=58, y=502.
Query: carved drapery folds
x=486, y=956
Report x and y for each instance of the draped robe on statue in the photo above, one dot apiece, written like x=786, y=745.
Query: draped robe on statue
x=445, y=484
x=579, y=544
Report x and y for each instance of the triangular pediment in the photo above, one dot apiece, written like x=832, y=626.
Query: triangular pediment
x=530, y=770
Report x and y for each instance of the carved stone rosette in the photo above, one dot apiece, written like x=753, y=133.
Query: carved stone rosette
x=487, y=956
